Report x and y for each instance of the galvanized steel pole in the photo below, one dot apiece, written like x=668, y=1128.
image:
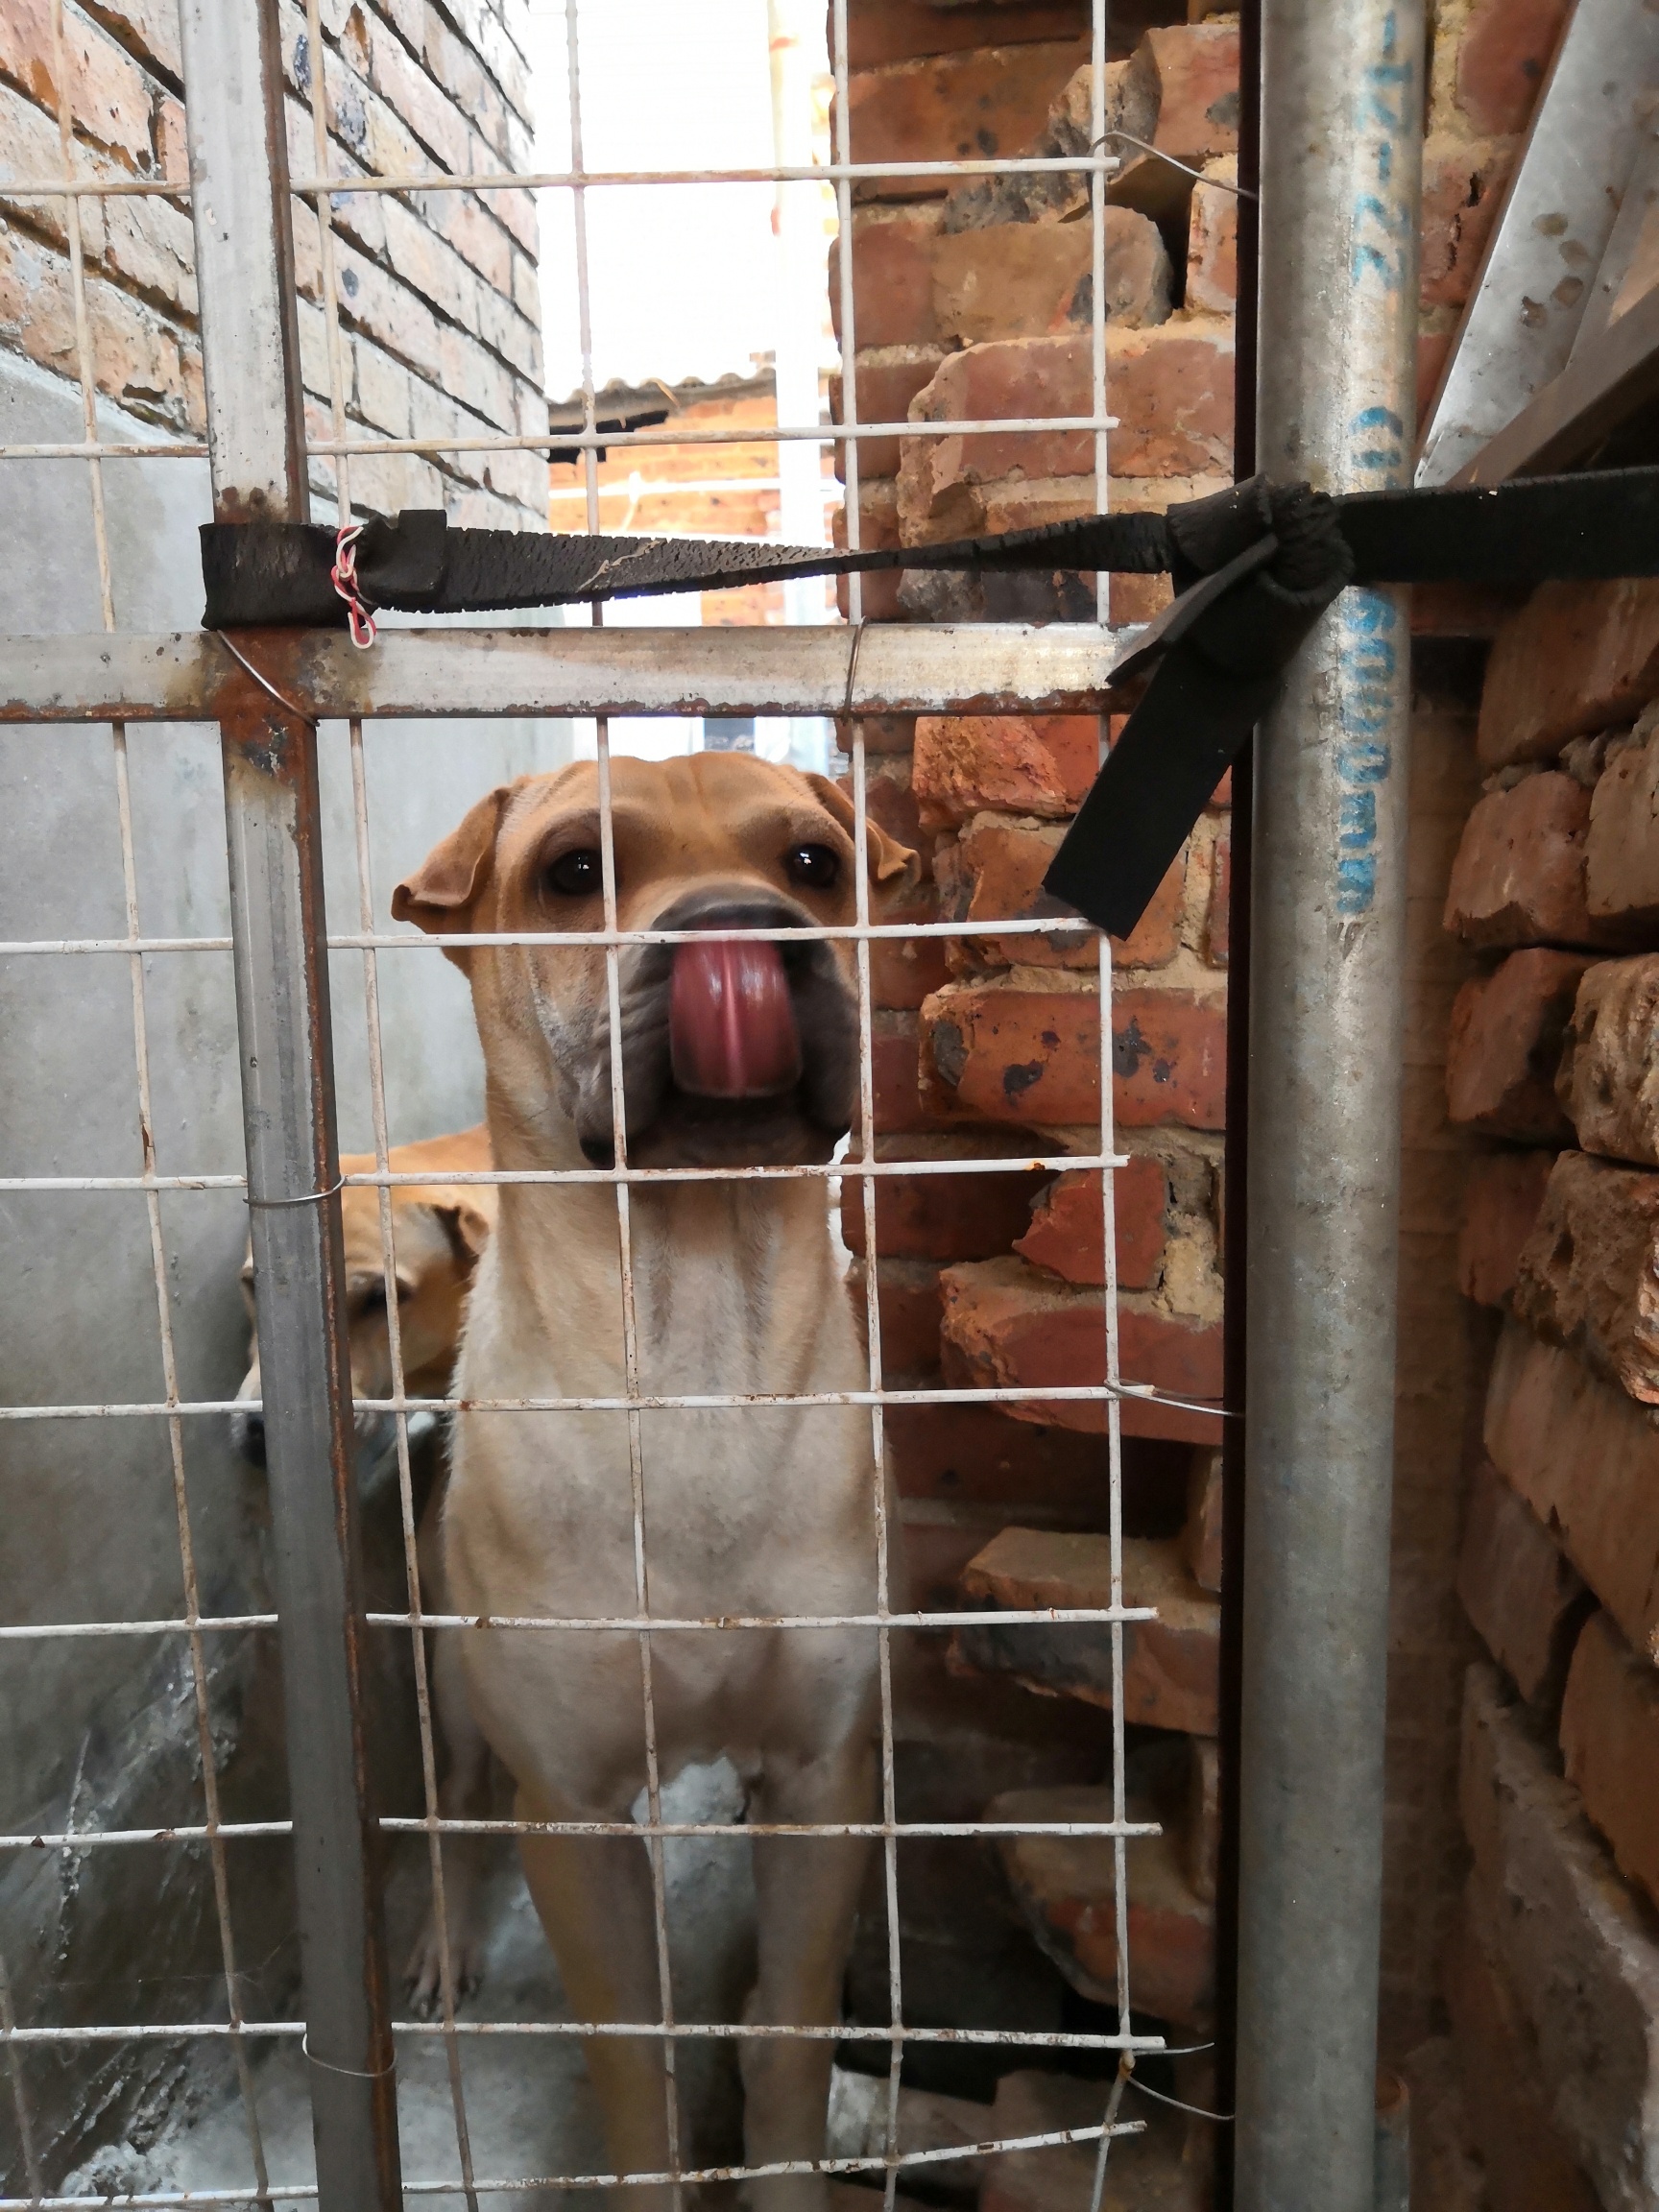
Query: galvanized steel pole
x=243, y=267
x=1341, y=140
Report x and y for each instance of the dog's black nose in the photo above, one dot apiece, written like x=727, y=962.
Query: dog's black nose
x=247, y=1435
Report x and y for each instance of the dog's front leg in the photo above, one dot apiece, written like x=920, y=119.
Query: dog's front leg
x=593, y=1897
x=806, y=1895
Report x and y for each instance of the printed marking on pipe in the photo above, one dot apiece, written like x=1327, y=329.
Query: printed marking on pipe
x=1367, y=663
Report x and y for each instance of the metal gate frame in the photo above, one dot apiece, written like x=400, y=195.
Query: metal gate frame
x=269, y=690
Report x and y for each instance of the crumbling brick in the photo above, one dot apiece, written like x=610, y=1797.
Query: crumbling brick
x=1008, y=1325
x=1502, y=58
x=1067, y=1233
x=1023, y=279
x=1066, y=1889
x=966, y=765
x=892, y=279
x=885, y=389
x=1033, y=1056
x=989, y=101
x=1213, y=239
x=1502, y=1193
x=1525, y=1598
x=942, y=1217
x=1201, y=1535
x=1586, y=1459
x=909, y=1306
x=1519, y=877
x=1589, y=1273
x=1610, y=1739
x=881, y=31
x=994, y=872
x=1609, y=1080
x=1172, y=392
x=1573, y=1946
x=1621, y=868
x=1575, y=658
x=1506, y=1043
x=1170, y=1664
x=1190, y=72
x=1463, y=182
x=904, y=971
x=1505, y=2098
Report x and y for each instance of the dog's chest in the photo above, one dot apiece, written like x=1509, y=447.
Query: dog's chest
x=748, y=1506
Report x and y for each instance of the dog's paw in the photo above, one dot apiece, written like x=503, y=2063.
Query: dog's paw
x=423, y=1975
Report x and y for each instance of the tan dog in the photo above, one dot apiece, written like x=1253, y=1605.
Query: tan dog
x=736, y=1054
x=439, y=1230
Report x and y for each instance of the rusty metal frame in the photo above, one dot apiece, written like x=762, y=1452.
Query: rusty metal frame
x=238, y=157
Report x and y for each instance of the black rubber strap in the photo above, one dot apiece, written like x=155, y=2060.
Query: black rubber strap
x=1254, y=567
x=1218, y=656
x=278, y=573
x=1602, y=523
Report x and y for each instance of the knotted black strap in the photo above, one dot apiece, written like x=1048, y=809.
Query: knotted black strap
x=1254, y=568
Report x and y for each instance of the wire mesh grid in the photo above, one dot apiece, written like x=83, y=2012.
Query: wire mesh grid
x=861, y=1166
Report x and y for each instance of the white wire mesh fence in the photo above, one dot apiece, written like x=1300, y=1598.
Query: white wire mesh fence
x=176, y=1411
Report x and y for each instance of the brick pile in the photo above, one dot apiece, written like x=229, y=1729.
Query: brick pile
x=437, y=295
x=1553, y=1987
x=975, y=302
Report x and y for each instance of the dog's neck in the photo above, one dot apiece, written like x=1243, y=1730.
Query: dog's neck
x=735, y=1285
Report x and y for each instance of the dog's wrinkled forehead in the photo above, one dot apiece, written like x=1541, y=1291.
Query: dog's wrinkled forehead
x=707, y=818
x=528, y=854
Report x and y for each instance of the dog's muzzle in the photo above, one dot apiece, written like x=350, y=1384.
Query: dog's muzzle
x=742, y=1048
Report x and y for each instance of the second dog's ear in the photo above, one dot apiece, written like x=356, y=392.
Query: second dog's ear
x=441, y=894
x=467, y=1221
x=887, y=858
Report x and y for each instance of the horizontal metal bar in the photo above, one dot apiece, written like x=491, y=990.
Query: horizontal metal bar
x=572, y=434
x=41, y=1632
x=413, y=939
x=186, y=2200
x=234, y=1830
x=97, y=450
x=719, y=2030
x=902, y=668
x=630, y=1623
x=554, y=180
x=24, y=1182
x=818, y=434
x=96, y=188
x=1015, y=1164
x=709, y=1401
x=820, y=173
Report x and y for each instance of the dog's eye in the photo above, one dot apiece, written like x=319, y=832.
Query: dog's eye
x=814, y=866
x=576, y=875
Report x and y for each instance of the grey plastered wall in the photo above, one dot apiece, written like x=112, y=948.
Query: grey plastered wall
x=102, y=1732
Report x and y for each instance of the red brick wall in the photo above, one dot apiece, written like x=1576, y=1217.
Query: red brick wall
x=974, y=303
x=438, y=302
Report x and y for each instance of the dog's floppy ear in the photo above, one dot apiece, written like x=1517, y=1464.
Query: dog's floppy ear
x=441, y=894
x=468, y=1222
x=886, y=856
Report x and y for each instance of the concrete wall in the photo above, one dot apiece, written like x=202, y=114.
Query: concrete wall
x=102, y=1732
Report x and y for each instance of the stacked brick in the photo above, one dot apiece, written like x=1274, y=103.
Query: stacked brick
x=437, y=293
x=1554, y=1988
x=973, y=304
x=976, y=303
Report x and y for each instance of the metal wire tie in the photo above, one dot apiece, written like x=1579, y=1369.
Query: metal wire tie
x=354, y=2073
x=306, y=1198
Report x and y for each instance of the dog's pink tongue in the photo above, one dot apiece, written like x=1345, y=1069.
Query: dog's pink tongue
x=730, y=1023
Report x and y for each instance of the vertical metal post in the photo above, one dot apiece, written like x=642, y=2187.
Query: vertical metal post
x=1341, y=137
x=243, y=253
